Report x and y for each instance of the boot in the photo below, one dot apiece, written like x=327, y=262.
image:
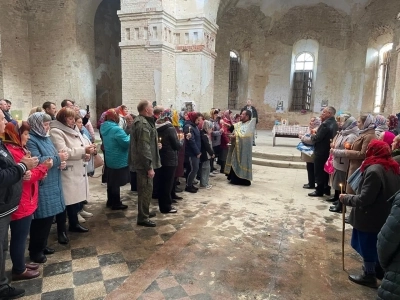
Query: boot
x=337, y=208
x=365, y=279
x=63, y=238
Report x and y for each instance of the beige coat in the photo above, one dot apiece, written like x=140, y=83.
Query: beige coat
x=356, y=154
x=74, y=179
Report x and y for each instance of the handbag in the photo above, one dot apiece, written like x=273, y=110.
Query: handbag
x=328, y=167
x=354, y=180
x=98, y=161
x=306, y=149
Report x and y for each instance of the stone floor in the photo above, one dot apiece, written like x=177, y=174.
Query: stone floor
x=266, y=241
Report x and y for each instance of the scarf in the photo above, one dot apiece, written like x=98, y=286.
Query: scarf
x=393, y=122
x=388, y=138
x=378, y=152
x=368, y=124
x=36, y=122
x=315, y=124
x=12, y=134
x=192, y=116
x=380, y=121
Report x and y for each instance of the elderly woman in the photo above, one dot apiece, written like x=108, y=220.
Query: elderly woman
x=67, y=138
x=343, y=140
x=387, y=137
x=370, y=208
x=393, y=123
x=356, y=154
x=116, y=144
x=380, y=125
x=51, y=198
x=15, y=139
x=306, y=139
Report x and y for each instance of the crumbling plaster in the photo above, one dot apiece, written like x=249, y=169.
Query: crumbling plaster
x=343, y=48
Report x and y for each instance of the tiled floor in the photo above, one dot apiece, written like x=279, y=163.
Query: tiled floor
x=267, y=241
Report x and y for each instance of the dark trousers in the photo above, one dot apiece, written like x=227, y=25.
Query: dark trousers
x=39, y=233
x=321, y=177
x=113, y=195
x=311, y=174
x=133, y=182
x=61, y=220
x=145, y=190
x=192, y=169
x=165, y=187
x=19, y=234
x=4, y=223
x=72, y=212
x=104, y=175
x=156, y=183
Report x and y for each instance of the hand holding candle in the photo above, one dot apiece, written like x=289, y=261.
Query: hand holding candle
x=347, y=146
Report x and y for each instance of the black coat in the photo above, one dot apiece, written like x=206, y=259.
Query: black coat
x=370, y=205
x=322, y=139
x=10, y=182
x=205, y=146
x=389, y=253
x=170, y=145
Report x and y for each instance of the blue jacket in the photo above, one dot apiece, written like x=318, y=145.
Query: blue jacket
x=51, y=199
x=116, y=145
x=193, y=145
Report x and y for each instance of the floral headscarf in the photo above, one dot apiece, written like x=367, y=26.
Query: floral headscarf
x=12, y=134
x=393, y=122
x=369, y=123
x=35, y=121
x=378, y=152
x=380, y=120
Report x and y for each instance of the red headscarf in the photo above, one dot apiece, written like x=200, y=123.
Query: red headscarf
x=120, y=110
x=378, y=152
x=193, y=116
x=111, y=115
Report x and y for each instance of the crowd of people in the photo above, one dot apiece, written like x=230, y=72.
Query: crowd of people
x=359, y=159
x=46, y=160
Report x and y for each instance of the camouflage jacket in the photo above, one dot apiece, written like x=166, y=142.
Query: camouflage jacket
x=143, y=153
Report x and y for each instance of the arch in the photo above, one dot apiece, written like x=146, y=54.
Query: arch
x=304, y=62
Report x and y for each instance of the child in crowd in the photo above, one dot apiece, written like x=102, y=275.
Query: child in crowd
x=206, y=153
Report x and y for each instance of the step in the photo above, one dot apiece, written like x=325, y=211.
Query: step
x=280, y=157
x=279, y=163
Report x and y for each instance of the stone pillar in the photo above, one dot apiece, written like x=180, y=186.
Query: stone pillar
x=396, y=92
x=166, y=59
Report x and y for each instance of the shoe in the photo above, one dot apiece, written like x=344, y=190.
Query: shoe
x=108, y=204
x=78, y=228
x=207, y=187
x=178, y=190
x=28, y=274
x=10, y=292
x=147, y=223
x=212, y=175
x=315, y=194
x=85, y=214
x=332, y=199
x=119, y=207
x=175, y=197
x=216, y=171
x=152, y=214
x=84, y=202
x=173, y=210
x=32, y=266
x=39, y=259
x=254, y=144
x=307, y=186
x=195, y=181
x=368, y=280
x=346, y=220
x=81, y=219
x=337, y=208
x=63, y=238
x=48, y=251
x=191, y=189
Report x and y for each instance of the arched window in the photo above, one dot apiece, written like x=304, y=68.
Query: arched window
x=302, y=82
x=233, y=80
x=383, y=78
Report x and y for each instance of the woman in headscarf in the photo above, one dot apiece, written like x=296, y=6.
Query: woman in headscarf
x=15, y=139
x=343, y=140
x=306, y=139
x=370, y=208
x=225, y=124
x=393, y=123
x=169, y=161
x=356, y=154
x=116, y=143
x=396, y=148
x=387, y=137
x=51, y=198
x=380, y=125
x=66, y=137
x=122, y=111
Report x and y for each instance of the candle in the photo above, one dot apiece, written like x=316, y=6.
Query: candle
x=341, y=188
x=159, y=139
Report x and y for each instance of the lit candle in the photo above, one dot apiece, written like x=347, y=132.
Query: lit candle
x=159, y=139
x=16, y=116
x=189, y=129
x=341, y=188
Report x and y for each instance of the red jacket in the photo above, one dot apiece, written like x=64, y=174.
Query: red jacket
x=30, y=188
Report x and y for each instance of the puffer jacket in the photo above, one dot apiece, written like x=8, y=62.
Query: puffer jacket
x=30, y=188
x=193, y=145
x=170, y=144
x=116, y=145
x=10, y=182
x=389, y=253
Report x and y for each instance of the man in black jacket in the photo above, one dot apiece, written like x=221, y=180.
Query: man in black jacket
x=11, y=175
x=322, y=143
